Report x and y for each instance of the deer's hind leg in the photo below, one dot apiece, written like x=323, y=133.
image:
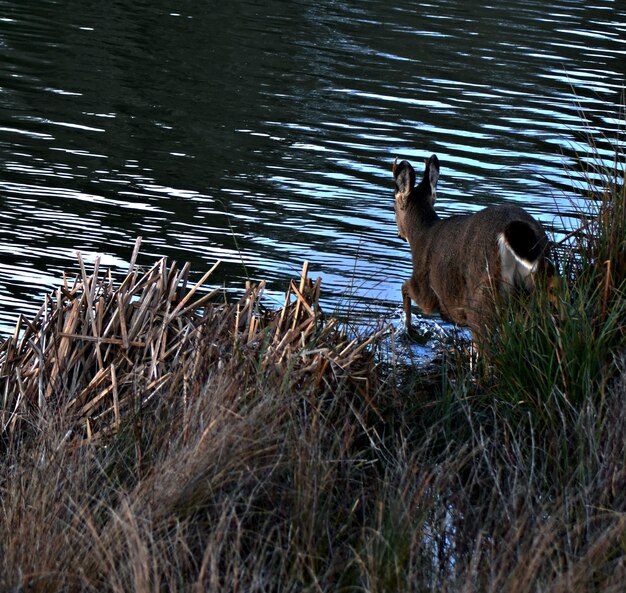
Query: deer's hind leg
x=482, y=311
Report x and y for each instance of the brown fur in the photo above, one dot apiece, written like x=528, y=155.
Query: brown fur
x=457, y=262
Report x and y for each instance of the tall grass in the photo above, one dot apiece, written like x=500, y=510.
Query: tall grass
x=278, y=493
x=280, y=458
x=555, y=351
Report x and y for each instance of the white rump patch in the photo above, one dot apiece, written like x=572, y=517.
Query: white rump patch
x=516, y=271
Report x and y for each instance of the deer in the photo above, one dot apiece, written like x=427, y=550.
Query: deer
x=464, y=265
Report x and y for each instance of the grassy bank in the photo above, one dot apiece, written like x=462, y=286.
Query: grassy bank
x=156, y=438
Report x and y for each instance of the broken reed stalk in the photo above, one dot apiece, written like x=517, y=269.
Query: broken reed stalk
x=97, y=352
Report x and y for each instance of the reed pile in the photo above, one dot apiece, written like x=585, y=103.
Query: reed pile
x=99, y=351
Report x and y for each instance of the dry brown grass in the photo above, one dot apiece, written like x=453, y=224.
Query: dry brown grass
x=155, y=435
x=98, y=351
x=157, y=438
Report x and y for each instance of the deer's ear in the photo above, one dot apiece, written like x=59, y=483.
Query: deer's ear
x=404, y=175
x=432, y=166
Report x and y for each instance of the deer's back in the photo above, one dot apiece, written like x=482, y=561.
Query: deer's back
x=460, y=257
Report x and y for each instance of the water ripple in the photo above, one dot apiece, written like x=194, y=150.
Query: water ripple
x=270, y=142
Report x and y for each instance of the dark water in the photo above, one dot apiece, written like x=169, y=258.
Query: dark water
x=262, y=134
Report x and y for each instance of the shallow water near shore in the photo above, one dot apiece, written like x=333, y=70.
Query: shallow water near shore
x=263, y=136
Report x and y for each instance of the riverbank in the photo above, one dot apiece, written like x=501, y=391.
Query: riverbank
x=156, y=437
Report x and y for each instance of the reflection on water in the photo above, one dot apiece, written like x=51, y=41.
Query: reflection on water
x=264, y=135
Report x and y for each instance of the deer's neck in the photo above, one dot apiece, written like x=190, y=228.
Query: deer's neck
x=422, y=218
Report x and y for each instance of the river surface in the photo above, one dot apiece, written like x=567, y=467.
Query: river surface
x=262, y=133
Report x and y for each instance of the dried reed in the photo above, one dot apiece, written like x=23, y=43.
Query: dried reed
x=99, y=350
